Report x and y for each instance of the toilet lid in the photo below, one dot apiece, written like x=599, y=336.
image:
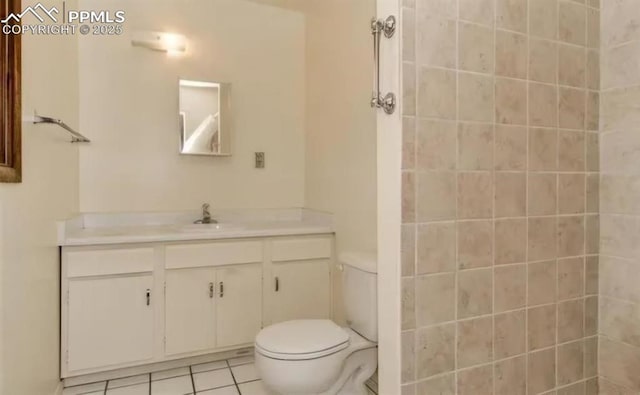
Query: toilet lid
x=301, y=339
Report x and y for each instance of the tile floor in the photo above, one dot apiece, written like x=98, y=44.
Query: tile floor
x=231, y=377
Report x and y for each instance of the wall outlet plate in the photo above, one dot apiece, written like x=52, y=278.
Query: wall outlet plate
x=259, y=160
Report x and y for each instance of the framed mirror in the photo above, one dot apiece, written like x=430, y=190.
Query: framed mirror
x=205, y=118
x=10, y=100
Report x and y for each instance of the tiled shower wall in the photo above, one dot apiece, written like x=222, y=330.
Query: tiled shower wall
x=500, y=196
x=620, y=199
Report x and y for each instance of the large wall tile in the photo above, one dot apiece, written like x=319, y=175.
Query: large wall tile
x=475, y=342
x=435, y=350
x=512, y=15
x=475, y=293
x=436, y=93
x=436, y=249
x=440, y=287
x=619, y=363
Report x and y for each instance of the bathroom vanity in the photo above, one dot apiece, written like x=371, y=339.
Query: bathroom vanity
x=148, y=288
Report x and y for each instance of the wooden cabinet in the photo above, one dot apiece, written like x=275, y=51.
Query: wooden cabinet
x=136, y=304
x=110, y=321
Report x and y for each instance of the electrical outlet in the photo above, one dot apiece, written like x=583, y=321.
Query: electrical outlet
x=259, y=160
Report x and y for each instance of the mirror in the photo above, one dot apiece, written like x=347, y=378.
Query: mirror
x=205, y=112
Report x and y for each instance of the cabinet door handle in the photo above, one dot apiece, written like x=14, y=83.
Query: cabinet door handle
x=221, y=289
x=211, y=290
x=148, y=295
x=277, y=284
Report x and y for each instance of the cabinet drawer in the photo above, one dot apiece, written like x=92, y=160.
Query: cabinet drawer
x=105, y=262
x=301, y=249
x=212, y=254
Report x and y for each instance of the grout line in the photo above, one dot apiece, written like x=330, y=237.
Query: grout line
x=514, y=357
x=526, y=208
x=557, y=168
x=456, y=174
x=414, y=226
x=587, y=115
x=509, y=78
x=233, y=376
x=494, y=220
x=193, y=382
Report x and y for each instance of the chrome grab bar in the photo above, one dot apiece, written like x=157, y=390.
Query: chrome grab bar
x=378, y=27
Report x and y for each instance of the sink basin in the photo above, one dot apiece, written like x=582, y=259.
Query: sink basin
x=209, y=227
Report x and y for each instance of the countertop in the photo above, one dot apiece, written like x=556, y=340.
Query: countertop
x=122, y=228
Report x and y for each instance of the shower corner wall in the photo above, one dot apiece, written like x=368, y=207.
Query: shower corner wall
x=500, y=195
x=619, y=326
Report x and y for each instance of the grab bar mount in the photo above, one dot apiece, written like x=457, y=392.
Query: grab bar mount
x=378, y=27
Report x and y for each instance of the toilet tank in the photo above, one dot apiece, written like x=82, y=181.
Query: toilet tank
x=360, y=292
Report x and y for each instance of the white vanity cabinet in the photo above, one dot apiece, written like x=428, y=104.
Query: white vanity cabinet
x=110, y=300
x=301, y=283
x=301, y=290
x=208, y=308
x=239, y=304
x=126, y=305
x=213, y=295
x=190, y=318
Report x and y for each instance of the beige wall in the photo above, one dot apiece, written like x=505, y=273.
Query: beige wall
x=49, y=192
x=340, y=126
x=500, y=239
x=619, y=199
x=129, y=107
x=116, y=102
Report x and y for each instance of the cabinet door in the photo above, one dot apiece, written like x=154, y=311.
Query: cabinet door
x=239, y=304
x=189, y=310
x=110, y=321
x=301, y=290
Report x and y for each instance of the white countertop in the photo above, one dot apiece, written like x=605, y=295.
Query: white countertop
x=120, y=228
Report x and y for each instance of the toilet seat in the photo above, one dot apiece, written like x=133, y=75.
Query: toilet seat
x=301, y=340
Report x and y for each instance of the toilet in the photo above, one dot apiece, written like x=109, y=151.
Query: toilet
x=304, y=357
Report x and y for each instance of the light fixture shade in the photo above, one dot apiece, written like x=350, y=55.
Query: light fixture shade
x=160, y=41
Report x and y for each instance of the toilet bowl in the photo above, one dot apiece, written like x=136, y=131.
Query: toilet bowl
x=314, y=357
x=305, y=357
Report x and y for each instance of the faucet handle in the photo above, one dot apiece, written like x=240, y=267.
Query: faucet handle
x=205, y=206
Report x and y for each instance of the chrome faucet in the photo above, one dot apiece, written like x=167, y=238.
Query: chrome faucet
x=206, y=216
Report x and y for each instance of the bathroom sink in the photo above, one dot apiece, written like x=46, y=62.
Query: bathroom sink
x=209, y=227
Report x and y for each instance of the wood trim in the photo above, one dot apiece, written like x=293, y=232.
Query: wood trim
x=11, y=98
